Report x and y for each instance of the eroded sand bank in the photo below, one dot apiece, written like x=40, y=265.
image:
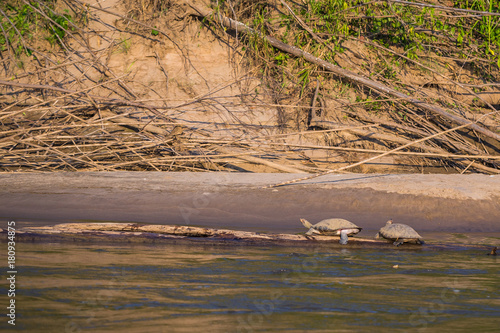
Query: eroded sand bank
x=432, y=203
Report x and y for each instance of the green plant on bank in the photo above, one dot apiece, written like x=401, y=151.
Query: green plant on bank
x=486, y=30
x=63, y=23
x=21, y=22
x=124, y=45
x=373, y=105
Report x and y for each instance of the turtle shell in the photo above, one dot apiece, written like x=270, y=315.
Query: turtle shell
x=398, y=231
x=335, y=225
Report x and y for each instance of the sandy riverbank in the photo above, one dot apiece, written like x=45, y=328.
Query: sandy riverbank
x=450, y=203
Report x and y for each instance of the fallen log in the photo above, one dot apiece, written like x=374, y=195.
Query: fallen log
x=136, y=233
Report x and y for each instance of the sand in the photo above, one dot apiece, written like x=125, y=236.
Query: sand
x=432, y=203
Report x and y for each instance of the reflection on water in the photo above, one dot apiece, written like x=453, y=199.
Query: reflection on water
x=214, y=288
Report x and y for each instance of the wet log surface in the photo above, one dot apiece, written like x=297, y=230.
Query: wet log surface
x=153, y=233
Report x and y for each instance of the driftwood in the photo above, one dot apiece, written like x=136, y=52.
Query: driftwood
x=133, y=232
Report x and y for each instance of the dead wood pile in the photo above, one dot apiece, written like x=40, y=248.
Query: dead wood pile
x=67, y=108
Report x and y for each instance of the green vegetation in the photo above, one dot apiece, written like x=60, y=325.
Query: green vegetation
x=22, y=23
x=124, y=45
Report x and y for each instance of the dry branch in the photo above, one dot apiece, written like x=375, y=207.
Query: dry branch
x=274, y=165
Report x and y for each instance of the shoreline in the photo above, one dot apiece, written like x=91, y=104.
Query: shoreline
x=429, y=203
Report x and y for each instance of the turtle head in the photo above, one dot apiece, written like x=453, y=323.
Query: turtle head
x=389, y=222
x=306, y=223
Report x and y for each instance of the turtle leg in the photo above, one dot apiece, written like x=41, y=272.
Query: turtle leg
x=343, y=237
x=398, y=242
x=312, y=231
x=377, y=236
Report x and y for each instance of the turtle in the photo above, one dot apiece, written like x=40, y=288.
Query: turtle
x=399, y=233
x=332, y=227
x=493, y=251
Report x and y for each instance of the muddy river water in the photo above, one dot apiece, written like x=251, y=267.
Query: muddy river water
x=447, y=285
x=66, y=287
